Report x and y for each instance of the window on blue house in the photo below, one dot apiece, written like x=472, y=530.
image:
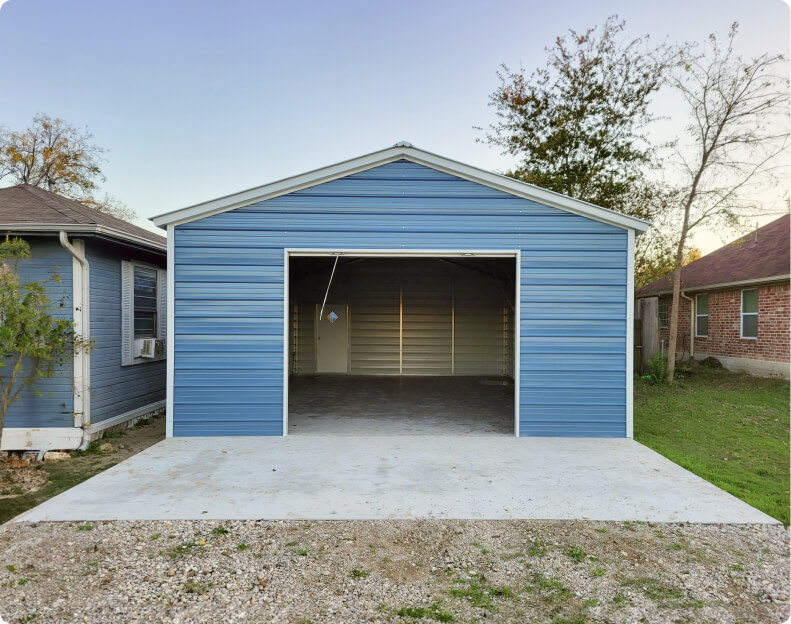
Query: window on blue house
x=145, y=299
x=143, y=312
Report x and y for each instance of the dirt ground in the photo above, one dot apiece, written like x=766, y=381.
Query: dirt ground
x=571, y=572
x=25, y=487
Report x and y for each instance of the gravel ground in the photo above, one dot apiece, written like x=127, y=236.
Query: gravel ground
x=393, y=571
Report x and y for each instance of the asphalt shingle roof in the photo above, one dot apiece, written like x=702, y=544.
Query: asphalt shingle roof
x=761, y=254
x=30, y=205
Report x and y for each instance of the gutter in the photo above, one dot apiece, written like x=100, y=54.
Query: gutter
x=99, y=230
x=691, y=325
x=81, y=300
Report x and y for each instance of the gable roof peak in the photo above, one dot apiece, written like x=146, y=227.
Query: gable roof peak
x=392, y=154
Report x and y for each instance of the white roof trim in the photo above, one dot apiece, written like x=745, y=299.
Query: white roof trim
x=398, y=152
x=84, y=229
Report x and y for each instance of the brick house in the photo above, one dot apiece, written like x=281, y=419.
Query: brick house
x=735, y=303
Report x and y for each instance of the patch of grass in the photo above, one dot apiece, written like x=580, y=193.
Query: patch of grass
x=242, y=546
x=359, y=574
x=14, y=491
x=735, y=567
x=479, y=546
x=113, y=435
x=61, y=476
x=598, y=571
x=155, y=537
x=182, y=550
x=302, y=552
x=197, y=587
x=22, y=581
x=538, y=549
x=292, y=543
x=550, y=590
x=219, y=530
x=434, y=612
x=590, y=602
x=91, y=449
x=576, y=553
x=620, y=598
x=576, y=619
x=479, y=593
x=85, y=527
x=143, y=422
x=27, y=618
x=11, y=568
x=729, y=429
x=657, y=590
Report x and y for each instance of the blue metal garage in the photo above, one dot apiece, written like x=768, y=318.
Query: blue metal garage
x=413, y=277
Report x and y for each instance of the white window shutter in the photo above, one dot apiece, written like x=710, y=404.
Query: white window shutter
x=162, y=302
x=127, y=312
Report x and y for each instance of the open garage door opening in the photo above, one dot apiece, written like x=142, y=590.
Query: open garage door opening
x=403, y=344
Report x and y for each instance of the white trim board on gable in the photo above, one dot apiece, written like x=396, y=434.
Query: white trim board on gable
x=398, y=152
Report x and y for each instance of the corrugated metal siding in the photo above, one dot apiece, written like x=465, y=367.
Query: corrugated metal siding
x=117, y=389
x=374, y=318
x=55, y=406
x=570, y=264
x=480, y=325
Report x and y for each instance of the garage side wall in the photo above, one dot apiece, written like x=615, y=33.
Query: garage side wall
x=229, y=289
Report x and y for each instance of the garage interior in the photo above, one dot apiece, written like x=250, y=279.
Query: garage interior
x=401, y=345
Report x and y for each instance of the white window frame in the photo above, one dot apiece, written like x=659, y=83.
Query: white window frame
x=697, y=316
x=742, y=314
x=659, y=312
x=128, y=339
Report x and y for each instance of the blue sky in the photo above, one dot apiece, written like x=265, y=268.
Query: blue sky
x=199, y=99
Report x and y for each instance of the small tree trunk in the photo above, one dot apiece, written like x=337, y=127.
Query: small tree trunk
x=674, y=309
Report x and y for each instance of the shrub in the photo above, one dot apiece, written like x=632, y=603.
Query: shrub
x=658, y=367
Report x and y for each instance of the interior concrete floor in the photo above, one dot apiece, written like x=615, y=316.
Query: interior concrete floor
x=389, y=477
x=368, y=405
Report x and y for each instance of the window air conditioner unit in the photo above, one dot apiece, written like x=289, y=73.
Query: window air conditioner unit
x=159, y=348
x=145, y=347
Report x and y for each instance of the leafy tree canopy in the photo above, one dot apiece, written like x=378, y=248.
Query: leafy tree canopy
x=57, y=156
x=578, y=123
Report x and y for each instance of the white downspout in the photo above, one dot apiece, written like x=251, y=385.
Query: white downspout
x=691, y=325
x=81, y=299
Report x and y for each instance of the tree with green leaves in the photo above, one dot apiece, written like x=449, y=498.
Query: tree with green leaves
x=33, y=341
x=56, y=156
x=736, y=146
x=578, y=124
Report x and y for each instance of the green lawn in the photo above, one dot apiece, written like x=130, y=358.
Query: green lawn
x=732, y=430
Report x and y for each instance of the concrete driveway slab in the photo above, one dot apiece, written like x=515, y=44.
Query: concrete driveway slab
x=374, y=477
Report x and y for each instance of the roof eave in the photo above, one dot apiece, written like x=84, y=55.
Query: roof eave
x=381, y=157
x=720, y=286
x=84, y=229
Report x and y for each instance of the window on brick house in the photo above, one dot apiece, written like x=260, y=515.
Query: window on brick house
x=750, y=313
x=702, y=316
x=663, y=308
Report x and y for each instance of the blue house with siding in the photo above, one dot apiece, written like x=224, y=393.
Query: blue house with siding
x=112, y=286
x=400, y=291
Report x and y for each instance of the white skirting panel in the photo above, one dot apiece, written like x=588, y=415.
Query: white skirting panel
x=35, y=439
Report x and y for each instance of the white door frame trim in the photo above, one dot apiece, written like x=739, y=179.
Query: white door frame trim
x=393, y=253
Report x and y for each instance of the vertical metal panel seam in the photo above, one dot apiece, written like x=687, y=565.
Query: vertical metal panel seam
x=453, y=324
x=400, y=326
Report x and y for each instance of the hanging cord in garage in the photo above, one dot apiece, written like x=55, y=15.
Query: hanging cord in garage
x=321, y=314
